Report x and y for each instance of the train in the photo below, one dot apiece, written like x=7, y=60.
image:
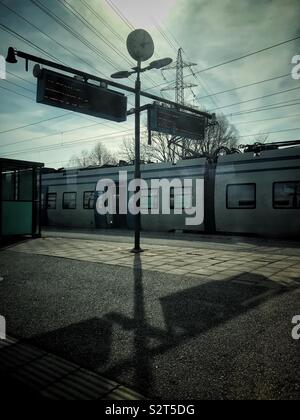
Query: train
x=256, y=193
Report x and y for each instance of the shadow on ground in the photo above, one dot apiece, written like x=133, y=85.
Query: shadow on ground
x=9, y=241
x=188, y=313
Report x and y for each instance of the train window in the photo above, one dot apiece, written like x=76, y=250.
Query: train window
x=149, y=199
x=69, y=201
x=89, y=200
x=51, y=201
x=188, y=198
x=286, y=195
x=241, y=196
x=181, y=198
x=172, y=198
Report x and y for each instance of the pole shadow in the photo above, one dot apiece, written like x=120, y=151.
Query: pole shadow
x=143, y=371
x=187, y=313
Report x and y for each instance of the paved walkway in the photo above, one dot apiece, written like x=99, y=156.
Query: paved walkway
x=276, y=267
x=181, y=240
x=160, y=322
x=46, y=376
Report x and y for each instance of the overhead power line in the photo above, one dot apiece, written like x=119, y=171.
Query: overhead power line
x=249, y=54
x=94, y=30
x=19, y=77
x=58, y=133
x=32, y=100
x=268, y=119
x=245, y=86
x=165, y=37
x=18, y=86
x=50, y=37
x=256, y=99
x=99, y=35
x=92, y=47
x=73, y=32
x=16, y=93
x=266, y=108
x=271, y=132
x=33, y=124
x=102, y=20
x=55, y=146
x=120, y=14
x=233, y=60
x=30, y=43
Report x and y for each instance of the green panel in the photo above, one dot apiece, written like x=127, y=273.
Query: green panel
x=25, y=185
x=16, y=218
x=8, y=186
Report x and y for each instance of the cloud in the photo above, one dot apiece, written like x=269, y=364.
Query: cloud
x=210, y=32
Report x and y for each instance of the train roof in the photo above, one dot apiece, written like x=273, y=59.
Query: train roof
x=277, y=154
x=130, y=168
x=236, y=158
x=13, y=165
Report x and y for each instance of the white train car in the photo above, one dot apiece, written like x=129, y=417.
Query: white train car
x=259, y=195
x=249, y=194
x=69, y=196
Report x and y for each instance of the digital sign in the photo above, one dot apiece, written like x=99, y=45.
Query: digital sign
x=176, y=123
x=75, y=95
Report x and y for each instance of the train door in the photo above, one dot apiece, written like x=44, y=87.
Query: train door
x=209, y=197
x=112, y=221
x=44, y=206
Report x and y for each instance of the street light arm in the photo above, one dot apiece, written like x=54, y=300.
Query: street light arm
x=87, y=76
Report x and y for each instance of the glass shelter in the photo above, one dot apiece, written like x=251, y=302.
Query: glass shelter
x=20, y=198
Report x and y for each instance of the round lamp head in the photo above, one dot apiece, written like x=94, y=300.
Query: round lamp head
x=140, y=45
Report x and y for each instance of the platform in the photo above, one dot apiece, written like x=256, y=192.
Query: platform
x=186, y=319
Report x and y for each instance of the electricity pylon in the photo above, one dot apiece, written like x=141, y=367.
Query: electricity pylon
x=179, y=86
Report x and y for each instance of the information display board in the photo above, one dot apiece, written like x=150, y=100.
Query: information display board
x=176, y=123
x=58, y=90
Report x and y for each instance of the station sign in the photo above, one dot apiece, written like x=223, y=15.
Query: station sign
x=176, y=123
x=56, y=89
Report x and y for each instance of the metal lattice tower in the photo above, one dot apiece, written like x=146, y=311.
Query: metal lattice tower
x=179, y=86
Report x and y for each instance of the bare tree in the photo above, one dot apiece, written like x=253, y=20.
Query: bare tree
x=98, y=156
x=166, y=148
x=81, y=160
x=218, y=135
x=101, y=156
x=162, y=150
x=127, y=150
x=257, y=144
x=261, y=138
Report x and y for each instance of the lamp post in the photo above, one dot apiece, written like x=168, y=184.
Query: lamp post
x=137, y=171
x=141, y=48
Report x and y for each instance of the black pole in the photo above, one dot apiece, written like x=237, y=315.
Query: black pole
x=137, y=173
x=1, y=201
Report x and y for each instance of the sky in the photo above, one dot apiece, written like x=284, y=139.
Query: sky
x=91, y=35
